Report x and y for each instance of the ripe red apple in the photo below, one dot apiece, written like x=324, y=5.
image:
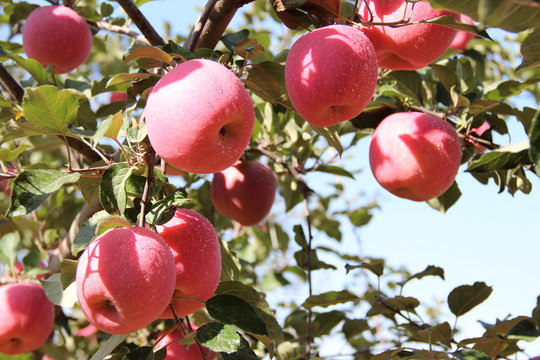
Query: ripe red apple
x=196, y=251
x=117, y=97
x=125, y=279
x=409, y=47
x=26, y=318
x=57, y=36
x=331, y=74
x=176, y=351
x=244, y=192
x=200, y=117
x=463, y=37
x=414, y=155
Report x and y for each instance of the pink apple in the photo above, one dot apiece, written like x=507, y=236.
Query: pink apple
x=244, y=192
x=409, y=47
x=196, y=251
x=125, y=279
x=414, y=155
x=463, y=37
x=331, y=74
x=176, y=351
x=118, y=97
x=26, y=318
x=200, y=117
x=57, y=36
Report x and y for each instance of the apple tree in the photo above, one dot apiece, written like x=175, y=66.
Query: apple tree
x=136, y=127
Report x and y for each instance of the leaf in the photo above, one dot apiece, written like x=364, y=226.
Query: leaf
x=53, y=289
x=11, y=155
x=503, y=90
x=329, y=298
x=230, y=264
x=11, y=129
x=353, y=327
x=336, y=170
x=331, y=135
x=524, y=330
x=148, y=52
x=163, y=210
x=245, y=353
x=500, y=160
x=441, y=333
x=267, y=80
x=451, y=22
x=534, y=138
x=32, y=66
x=112, y=191
x=32, y=187
x=125, y=77
x=402, y=303
x=230, y=309
x=140, y=353
x=530, y=50
x=300, y=14
x=108, y=346
x=230, y=40
x=469, y=354
x=9, y=247
x=445, y=201
x=465, y=297
x=430, y=270
x=376, y=267
x=324, y=323
x=50, y=109
x=68, y=269
x=87, y=232
x=219, y=337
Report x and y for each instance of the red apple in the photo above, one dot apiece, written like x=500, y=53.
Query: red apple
x=200, y=117
x=463, y=37
x=409, y=47
x=125, y=279
x=26, y=318
x=176, y=351
x=414, y=155
x=244, y=192
x=118, y=97
x=331, y=74
x=196, y=251
x=57, y=36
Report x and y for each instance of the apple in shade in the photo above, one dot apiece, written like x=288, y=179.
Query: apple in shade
x=245, y=192
x=125, y=279
x=118, y=97
x=414, y=155
x=331, y=74
x=197, y=255
x=177, y=351
x=463, y=37
x=57, y=36
x=26, y=318
x=409, y=47
x=200, y=117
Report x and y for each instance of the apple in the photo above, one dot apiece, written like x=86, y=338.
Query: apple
x=176, y=351
x=199, y=117
x=331, y=74
x=118, y=97
x=26, y=318
x=197, y=255
x=414, y=155
x=463, y=37
x=245, y=192
x=125, y=279
x=409, y=47
x=57, y=36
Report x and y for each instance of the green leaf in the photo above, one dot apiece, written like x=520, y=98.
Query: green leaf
x=244, y=353
x=441, y=333
x=300, y=237
x=140, y=353
x=408, y=83
x=108, y=346
x=376, y=267
x=530, y=50
x=402, y=303
x=163, y=210
x=524, y=330
x=111, y=222
x=353, y=327
x=11, y=155
x=32, y=66
x=267, y=80
x=329, y=298
x=9, y=247
x=445, y=201
x=230, y=40
x=219, y=337
x=502, y=90
x=50, y=109
x=149, y=52
x=230, y=264
x=87, y=232
x=336, y=170
x=451, y=22
x=506, y=159
x=53, y=289
x=125, y=77
x=469, y=354
x=230, y=309
x=465, y=297
x=324, y=323
x=68, y=269
x=430, y=270
x=32, y=187
x=112, y=191
x=534, y=138
x=331, y=135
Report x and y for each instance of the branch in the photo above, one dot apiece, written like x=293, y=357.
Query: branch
x=217, y=21
x=195, y=33
x=11, y=85
x=124, y=30
x=141, y=22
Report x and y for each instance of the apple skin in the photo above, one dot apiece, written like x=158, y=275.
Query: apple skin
x=125, y=279
x=245, y=192
x=57, y=36
x=176, y=351
x=414, y=155
x=196, y=251
x=200, y=117
x=408, y=47
x=463, y=37
x=26, y=318
x=331, y=74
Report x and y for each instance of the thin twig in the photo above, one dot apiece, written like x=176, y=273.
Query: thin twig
x=151, y=161
x=141, y=22
x=124, y=30
x=310, y=284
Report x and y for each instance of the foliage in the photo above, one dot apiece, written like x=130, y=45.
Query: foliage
x=83, y=165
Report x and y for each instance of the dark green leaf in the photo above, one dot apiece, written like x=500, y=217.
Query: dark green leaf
x=445, y=201
x=141, y=353
x=530, y=50
x=402, y=303
x=376, y=267
x=469, y=354
x=32, y=187
x=329, y=298
x=430, y=270
x=451, y=22
x=499, y=160
x=524, y=330
x=267, y=80
x=112, y=191
x=300, y=237
x=245, y=353
x=230, y=40
x=441, y=333
x=108, y=346
x=336, y=170
x=87, y=232
x=324, y=323
x=219, y=337
x=331, y=135
x=534, y=136
x=466, y=297
x=353, y=327
x=32, y=66
x=68, y=268
x=230, y=309
x=163, y=210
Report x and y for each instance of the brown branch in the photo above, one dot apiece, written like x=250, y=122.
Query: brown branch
x=141, y=22
x=195, y=33
x=151, y=160
x=11, y=85
x=124, y=30
x=218, y=20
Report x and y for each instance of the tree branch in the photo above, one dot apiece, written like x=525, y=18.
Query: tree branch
x=141, y=22
x=195, y=33
x=124, y=30
x=11, y=85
